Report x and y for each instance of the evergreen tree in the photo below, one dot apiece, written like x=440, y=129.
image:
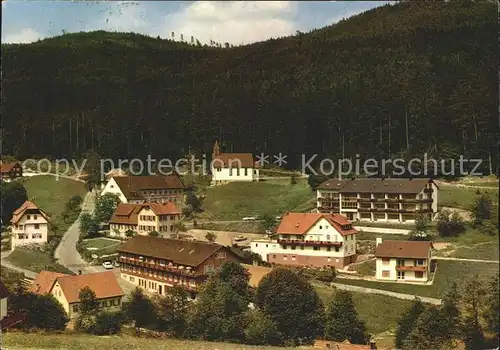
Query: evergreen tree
x=482, y=208
x=172, y=310
x=139, y=309
x=408, y=321
x=473, y=296
x=293, y=304
x=450, y=308
x=492, y=312
x=88, y=309
x=261, y=329
x=219, y=313
x=431, y=331
x=12, y=196
x=342, y=320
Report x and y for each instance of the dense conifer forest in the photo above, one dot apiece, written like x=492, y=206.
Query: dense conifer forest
x=405, y=79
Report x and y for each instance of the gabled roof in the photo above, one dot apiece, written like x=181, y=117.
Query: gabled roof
x=234, y=160
x=104, y=285
x=388, y=185
x=4, y=292
x=178, y=251
x=44, y=281
x=7, y=167
x=403, y=249
x=301, y=223
x=127, y=213
x=27, y=205
x=131, y=186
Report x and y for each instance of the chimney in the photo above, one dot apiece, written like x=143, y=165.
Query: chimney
x=79, y=272
x=37, y=287
x=373, y=345
x=378, y=241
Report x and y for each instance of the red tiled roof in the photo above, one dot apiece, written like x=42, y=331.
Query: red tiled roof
x=44, y=281
x=234, y=160
x=104, y=285
x=127, y=213
x=7, y=167
x=27, y=205
x=301, y=223
x=179, y=251
x=403, y=249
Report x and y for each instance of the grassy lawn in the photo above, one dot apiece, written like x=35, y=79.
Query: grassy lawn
x=75, y=341
x=234, y=201
x=100, y=243
x=34, y=260
x=10, y=277
x=483, y=251
x=461, y=197
x=248, y=227
x=51, y=194
x=470, y=237
x=447, y=272
x=380, y=312
x=371, y=236
x=366, y=268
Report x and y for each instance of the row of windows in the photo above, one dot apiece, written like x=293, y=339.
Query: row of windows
x=153, y=273
x=152, y=192
x=328, y=249
x=22, y=227
x=28, y=217
x=166, y=228
x=102, y=304
x=27, y=236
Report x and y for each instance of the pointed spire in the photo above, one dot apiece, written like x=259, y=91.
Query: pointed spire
x=216, y=150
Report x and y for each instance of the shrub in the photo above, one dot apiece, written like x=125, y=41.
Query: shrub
x=107, y=322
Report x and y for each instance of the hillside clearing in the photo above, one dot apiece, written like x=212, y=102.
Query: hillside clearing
x=236, y=200
x=75, y=341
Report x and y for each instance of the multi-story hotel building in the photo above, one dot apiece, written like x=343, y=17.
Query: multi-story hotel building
x=29, y=224
x=141, y=189
x=386, y=200
x=310, y=239
x=144, y=218
x=155, y=264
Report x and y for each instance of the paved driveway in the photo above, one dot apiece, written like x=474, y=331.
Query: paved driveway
x=66, y=253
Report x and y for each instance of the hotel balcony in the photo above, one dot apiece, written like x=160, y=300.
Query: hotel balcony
x=411, y=268
x=308, y=243
x=162, y=279
x=184, y=271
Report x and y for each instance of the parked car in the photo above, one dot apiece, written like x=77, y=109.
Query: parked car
x=278, y=217
x=268, y=232
x=240, y=238
x=249, y=218
x=107, y=265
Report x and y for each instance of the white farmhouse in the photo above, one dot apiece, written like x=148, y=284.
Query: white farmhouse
x=310, y=239
x=29, y=225
x=229, y=167
x=403, y=261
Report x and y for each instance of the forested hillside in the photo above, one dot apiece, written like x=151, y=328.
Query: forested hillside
x=405, y=79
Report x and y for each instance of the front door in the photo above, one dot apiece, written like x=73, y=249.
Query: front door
x=159, y=290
